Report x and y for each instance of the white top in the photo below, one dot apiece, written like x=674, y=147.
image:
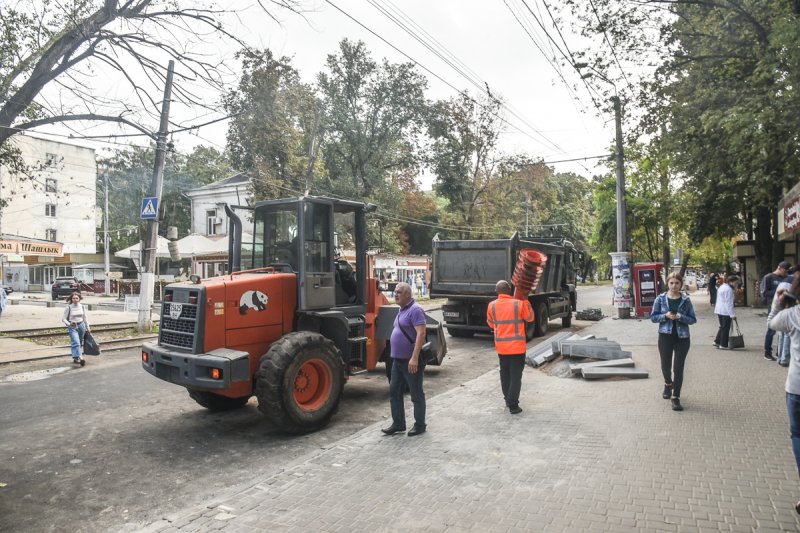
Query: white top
x=74, y=314
x=788, y=321
x=724, y=305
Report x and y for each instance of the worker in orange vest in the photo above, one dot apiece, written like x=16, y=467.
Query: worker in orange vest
x=507, y=317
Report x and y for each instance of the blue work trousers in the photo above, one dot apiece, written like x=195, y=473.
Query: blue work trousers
x=401, y=376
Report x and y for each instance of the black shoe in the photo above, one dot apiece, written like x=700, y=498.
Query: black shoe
x=768, y=357
x=416, y=431
x=667, y=392
x=676, y=404
x=515, y=410
x=783, y=364
x=82, y=361
x=391, y=430
x=797, y=507
x=716, y=345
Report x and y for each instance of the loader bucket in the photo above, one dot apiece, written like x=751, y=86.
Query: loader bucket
x=435, y=341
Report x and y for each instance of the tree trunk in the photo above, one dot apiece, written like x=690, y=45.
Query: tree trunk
x=763, y=242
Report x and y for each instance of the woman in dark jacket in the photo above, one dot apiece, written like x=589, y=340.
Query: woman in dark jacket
x=673, y=312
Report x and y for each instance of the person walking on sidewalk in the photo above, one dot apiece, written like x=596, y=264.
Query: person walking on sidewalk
x=408, y=336
x=788, y=321
x=507, y=317
x=674, y=313
x=768, y=288
x=77, y=325
x=712, y=288
x=3, y=300
x=725, y=312
x=779, y=303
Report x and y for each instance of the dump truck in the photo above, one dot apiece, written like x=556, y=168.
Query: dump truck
x=290, y=322
x=465, y=272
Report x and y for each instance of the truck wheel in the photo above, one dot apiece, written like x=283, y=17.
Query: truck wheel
x=530, y=330
x=300, y=382
x=460, y=333
x=566, y=321
x=542, y=319
x=215, y=402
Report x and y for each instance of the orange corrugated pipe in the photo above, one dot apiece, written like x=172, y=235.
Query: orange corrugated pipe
x=527, y=272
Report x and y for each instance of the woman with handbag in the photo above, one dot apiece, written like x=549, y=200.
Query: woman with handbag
x=788, y=321
x=77, y=325
x=674, y=313
x=725, y=312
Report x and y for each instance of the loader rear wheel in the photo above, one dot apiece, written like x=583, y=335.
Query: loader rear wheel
x=300, y=382
x=215, y=402
x=542, y=319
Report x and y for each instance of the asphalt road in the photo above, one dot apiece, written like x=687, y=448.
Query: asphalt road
x=109, y=447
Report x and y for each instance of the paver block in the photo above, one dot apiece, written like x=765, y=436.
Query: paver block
x=576, y=368
x=607, y=372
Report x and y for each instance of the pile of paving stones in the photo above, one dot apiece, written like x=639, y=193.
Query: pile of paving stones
x=606, y=358
x=590, y=313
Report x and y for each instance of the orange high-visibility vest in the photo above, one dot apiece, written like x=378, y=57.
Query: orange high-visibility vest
x=507, y=317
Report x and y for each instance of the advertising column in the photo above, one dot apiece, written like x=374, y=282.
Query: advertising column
x=622, y=281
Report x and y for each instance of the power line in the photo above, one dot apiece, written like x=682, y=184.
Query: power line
x=613, y=51
x=435, y=75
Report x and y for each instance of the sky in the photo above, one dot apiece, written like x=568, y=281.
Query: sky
x=544, y=118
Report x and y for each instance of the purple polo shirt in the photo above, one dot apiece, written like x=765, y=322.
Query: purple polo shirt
x=408, y=318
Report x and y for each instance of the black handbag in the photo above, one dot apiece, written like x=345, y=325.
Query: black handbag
x=426, y=355
x=735, y=341
x=90, y=346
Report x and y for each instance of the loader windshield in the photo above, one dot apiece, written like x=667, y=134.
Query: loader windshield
x=276, y=227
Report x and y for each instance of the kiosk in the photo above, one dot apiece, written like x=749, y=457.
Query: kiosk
x=646, y=278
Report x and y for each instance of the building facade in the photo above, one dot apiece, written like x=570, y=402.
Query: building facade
x=53, y=202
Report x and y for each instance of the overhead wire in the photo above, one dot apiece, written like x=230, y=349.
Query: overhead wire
x=610, y=44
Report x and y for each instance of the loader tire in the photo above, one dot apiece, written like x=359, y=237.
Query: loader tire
x=215, y=402
x=300, y=381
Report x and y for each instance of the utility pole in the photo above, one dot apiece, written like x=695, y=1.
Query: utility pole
x=107, y=288
x=622, y=232
x=148, y=253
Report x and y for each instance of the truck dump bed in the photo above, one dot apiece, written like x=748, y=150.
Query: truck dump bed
x=470, y=268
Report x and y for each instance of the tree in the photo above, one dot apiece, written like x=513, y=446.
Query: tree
x=464, y=133
x=373, y=118
x=65, y=48
x=273, y=135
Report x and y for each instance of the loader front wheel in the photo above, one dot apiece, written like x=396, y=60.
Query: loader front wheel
x=215, y=402
x=300, y=382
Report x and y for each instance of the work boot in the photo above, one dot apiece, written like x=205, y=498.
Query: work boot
x=667, y=392
x=676, y=404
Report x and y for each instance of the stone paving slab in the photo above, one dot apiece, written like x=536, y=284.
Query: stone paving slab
x=578, y=367
x=604, y=456
x=609, y=372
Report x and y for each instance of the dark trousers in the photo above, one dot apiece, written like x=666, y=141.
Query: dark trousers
x=724, y=330
x=400, y=376
x=672, y=367
x=712, y=291
x=511, y=367
x=768, y=341
x=793, y=406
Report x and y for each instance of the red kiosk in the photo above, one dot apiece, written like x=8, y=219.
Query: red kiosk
x=646, y=278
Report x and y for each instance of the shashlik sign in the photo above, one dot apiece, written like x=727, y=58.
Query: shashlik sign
x=54, y=249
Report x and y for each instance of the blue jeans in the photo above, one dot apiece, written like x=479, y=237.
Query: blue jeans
x=768, y=341
x=793, y=405
x=76, y=339
x=401, y=375
x=784, y=344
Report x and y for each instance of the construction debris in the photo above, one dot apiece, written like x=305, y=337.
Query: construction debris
x=593, y=348
x=547, y=350
x=596, y=373
x=591, y=313
x=577, y=368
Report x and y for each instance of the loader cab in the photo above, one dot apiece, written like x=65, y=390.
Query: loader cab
x=297, y=235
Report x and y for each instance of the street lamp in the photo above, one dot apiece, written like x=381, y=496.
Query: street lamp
x=621, y=260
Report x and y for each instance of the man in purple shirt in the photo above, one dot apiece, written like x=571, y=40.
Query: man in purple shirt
x=408, y=336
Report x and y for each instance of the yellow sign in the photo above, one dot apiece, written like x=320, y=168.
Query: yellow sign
x=55, y=249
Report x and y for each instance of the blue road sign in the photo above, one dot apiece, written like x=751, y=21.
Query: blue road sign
x=149, y=207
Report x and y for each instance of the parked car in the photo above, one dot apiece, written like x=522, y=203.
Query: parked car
x=64, y=286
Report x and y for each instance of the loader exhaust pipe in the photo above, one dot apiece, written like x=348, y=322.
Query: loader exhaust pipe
x=234, y=241
x=528, y=272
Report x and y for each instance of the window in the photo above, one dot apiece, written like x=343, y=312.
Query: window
x=51, y=160
x=50, y=235
x=51, y=185
x=50, y=210
x=211, y=222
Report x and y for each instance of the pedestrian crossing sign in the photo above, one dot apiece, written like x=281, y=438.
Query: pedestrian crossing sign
x=149, y=207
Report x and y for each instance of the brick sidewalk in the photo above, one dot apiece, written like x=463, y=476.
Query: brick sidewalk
x=607, y=455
